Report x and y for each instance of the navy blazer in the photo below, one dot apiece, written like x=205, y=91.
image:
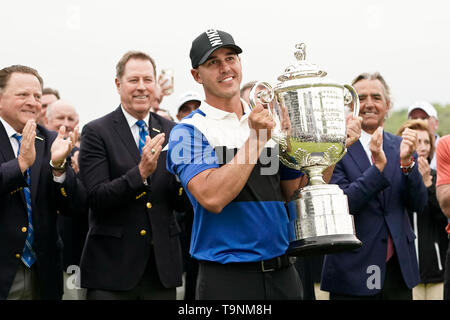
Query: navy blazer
x=48, y=199
x=128, y=220
x=378, y=203
x=73, y=230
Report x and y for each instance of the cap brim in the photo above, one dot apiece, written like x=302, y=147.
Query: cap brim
x=428, y=112
x=187, y=100
x=205, y=57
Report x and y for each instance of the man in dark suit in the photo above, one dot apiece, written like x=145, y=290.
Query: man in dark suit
x=35, y=186
x=132, y=249
x=72, y=230
x=380, y=177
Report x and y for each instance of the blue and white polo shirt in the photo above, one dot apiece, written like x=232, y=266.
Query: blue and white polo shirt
x=254, y=226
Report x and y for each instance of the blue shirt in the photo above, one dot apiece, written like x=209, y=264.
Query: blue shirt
x=255, y=225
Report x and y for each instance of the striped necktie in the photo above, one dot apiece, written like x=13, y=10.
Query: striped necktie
x=28, y=255
x=142, y=134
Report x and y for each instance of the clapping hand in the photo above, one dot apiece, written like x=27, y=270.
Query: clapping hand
x=27, y=153
x=376, y=148
x=61, y=147
x=408, y=145
x=425, y=171
x=150, y=154
x=74, y=161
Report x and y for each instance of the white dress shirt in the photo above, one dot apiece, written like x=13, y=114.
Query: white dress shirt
x=133, y=126
x=365, y=141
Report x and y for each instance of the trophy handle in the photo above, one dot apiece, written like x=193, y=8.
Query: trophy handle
x=355, y=99
x=263, y=96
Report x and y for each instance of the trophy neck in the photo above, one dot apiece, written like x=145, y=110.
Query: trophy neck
x=315, y=175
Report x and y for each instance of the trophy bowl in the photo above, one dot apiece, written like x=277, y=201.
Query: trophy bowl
x=310, y=115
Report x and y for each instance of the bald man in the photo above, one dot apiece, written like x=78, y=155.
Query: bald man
x=72, y=230
x=61, y=113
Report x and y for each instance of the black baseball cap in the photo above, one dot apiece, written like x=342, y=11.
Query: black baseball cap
x=207, y=43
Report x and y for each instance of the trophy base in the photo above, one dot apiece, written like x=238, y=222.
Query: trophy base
x=322, y=223
x=321, y=245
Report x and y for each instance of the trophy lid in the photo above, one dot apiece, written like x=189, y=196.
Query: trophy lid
x=303, y=68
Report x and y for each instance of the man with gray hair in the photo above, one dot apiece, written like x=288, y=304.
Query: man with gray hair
x=72, y=230
x=381, y=180
x=61, y=113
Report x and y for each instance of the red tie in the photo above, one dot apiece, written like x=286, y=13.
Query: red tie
x=390, y=247
x=390, y=243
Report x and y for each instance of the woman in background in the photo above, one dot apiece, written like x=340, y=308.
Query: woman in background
x=429, y=225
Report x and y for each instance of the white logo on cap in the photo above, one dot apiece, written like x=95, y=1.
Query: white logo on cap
x=214, y=37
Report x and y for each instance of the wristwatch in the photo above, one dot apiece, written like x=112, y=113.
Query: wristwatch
x=60, y=168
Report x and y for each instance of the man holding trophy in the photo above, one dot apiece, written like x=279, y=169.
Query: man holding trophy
x=223, y=155
x=381, y=179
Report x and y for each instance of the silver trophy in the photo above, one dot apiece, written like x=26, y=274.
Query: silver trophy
x=310, y=112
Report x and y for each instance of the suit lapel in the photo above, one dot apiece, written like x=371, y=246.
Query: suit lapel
x=390, y=151
x=155, y=126
x=359, y=156
x=122, y=128
x=5, y=145
x=7, y=151
x=35, y=169
x=8, y=154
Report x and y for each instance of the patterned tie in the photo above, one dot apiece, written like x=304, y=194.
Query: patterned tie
x=142, y=134
x=28, y=255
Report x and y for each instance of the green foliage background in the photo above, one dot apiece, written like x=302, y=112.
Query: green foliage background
x=396, y=119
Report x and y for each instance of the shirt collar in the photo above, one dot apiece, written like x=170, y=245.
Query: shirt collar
x=218, y=114
x=365, y=138
x=132, y=120
x=9, y=130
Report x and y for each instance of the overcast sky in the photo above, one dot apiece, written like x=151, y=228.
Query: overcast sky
x=76, y=44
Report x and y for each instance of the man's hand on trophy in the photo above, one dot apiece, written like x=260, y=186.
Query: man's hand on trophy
x=261, y=123
x=376, y=148
x=286, y=126
x=408, y=145
x=285, y=121
x=353, y=125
